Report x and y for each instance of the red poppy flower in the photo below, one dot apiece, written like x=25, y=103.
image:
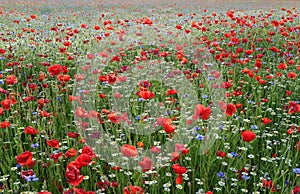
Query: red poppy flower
x=2, y=51
x=129, y=151
x=226, y=85
x=178, y=169
x=145, y=94
x=171, y=92
x=54, y=143
x=266, y=121
x=54, y=69
x=290, y=131
x=201, y=112
x=282, y=66
x=239, y=105
x=97, y=27
x=146, y=164
x=169, y=128
x=55, y=156
x=175, y=156
x=221, y=154
x=116, y=117
x=73, y=134
x=24, y=158
x=293, y=107
x=103, y=185
x=133, y=190
x=5, y=124
x=73, y=163
x=292, y=75
x=296, y=190
x=288, y=93
x=179, y=149
x=71, y=153
x=155, y=149
x=248, y=52
x=267, y=184
x=103, y=78
x=81, y=112
x=88, y=150
x=73, y=176
x=30, y=130
x=44, y=113
x=63, y=78
x=83, y=160
x=248, y=136
x=67, y=43
x=111, y=78
x=102, y=95
x=83, y=25
x=231, y=109
x=6, y=104
x=178, y=179
x=11, y=80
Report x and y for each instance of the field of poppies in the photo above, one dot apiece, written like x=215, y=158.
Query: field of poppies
x=149, y=97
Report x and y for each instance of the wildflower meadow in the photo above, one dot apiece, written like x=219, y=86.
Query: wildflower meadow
x=137, y=97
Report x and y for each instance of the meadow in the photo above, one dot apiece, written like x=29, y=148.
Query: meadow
x=152, y=97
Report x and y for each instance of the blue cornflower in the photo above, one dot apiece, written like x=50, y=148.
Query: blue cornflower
x=199, y=137
x=57, y=151
x=122, y=136
x=186, y=95
x=286, y=182
x=221, y=175
x=1, y=81
x=35, y=145
x=32, y=178
x=19, y=166
x=245, y=177
x=234, y=154
x=210, y=78
x=197, y=128
x=254, y=127
x=296, y=170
